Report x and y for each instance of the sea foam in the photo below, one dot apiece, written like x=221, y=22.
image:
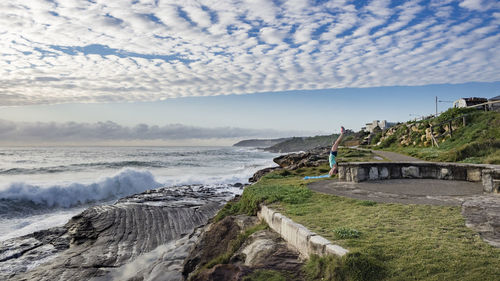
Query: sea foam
x=125, y=182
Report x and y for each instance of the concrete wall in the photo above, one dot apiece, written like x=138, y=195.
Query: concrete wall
x=298, y=236
x=488, y=175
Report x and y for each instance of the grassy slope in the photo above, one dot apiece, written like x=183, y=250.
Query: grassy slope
x=412, y=242
x=478, y=142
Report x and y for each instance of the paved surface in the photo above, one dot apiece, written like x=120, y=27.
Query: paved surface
x=393, y=156
x=481, y=211
x=406, y=191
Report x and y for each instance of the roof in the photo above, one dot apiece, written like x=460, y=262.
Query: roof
x=495, y=98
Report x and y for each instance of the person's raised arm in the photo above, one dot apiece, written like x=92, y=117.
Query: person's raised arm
x=335, y=145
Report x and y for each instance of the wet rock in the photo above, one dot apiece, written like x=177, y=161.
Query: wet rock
x=102, y=239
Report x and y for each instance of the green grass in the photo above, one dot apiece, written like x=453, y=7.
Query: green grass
x=397, y=242
x=477, y=142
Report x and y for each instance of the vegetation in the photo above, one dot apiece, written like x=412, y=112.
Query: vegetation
x=386, y=241
x=476, y=142
x=263, y=192
x=302, y=143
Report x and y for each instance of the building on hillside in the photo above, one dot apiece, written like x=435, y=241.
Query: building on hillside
x=376, y=123
x=466, y=102
x=494, y=106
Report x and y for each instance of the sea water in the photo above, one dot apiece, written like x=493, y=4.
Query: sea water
x=43, y=187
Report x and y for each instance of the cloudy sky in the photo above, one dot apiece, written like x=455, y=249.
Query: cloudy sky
x=297, y=66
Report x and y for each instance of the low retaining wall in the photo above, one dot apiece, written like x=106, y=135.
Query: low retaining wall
x=489, y=175
x=301, y=238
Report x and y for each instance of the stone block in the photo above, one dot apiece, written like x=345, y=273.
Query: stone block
x=317, y=245
x=473, y=174
x=410, y=172
x=444, y=174
x=488, y=183
x=373, y=174
x=358, y=174
x=395, y=172
x=429, y=171
x=383, y=173
x=336, y=250
x=275, y=222
x=342, y=173
x=302, y=241
x=288, y=229
x=458, y=173
x=265, y=214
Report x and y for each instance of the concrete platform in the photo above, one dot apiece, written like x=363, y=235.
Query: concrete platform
x=406, y=191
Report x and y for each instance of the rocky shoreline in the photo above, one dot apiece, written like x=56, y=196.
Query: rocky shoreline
x=160, y=234
x=146, y=236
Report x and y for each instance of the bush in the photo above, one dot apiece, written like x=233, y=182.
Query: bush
x=367, y=203
x=388, y=141
x=376, y=138
x=346, y=233
x=454, y=112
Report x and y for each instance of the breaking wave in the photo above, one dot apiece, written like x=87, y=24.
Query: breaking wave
x=124, y=183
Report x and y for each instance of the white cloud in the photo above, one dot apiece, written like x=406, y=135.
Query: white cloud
x=23, y=132
x=162, y=49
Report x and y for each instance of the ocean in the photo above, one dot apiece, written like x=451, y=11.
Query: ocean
x=43, y=187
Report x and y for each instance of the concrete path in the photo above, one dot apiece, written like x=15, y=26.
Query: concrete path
x=391, y=156
x=481, y=211
x=396, y=157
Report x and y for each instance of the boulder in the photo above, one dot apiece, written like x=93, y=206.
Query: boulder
x=216, y=241
x=260, y=173
x=266, y=249
x=312, y=158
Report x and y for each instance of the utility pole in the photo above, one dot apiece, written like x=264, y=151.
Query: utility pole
x=436, y=106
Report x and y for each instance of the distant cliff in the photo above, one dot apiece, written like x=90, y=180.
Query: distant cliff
x=302, y=144
x=260, y=142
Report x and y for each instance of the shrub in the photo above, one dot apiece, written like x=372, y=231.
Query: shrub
x=367, y=203
x=346, y=233
x=376, y=138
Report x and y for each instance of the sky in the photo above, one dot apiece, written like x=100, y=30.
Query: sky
x=217, y=71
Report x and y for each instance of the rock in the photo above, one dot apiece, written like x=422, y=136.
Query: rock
x=259, y=174
x=266, y=249
x=216, y=241
x=95, y=243
x=373, y=174
x=482, y=215
x=226, y=272
x=312, y=158
x=410, y=172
